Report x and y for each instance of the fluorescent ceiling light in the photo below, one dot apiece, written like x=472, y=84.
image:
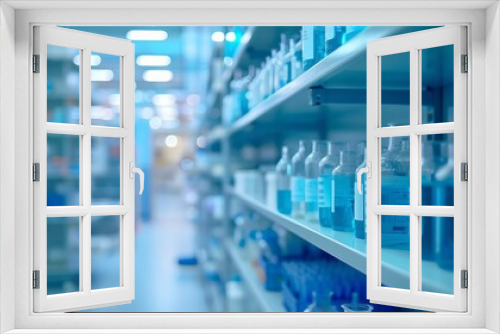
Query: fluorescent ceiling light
x=164, y=100
x=153, y=60
x=94, y=60
x=230, y=36
x=172, y=141
x=157, y=76
x=218, y=36
x=147, y=35
x=168, y=113
x=101, y=75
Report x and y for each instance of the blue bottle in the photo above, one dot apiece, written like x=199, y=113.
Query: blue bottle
x=343, y=192
x=351, y=32
x=313, y=45
x=326, y=167
x=283, y=183
x=299, y=182
x=360, y=204
x=319, y=150
x=333, y=38
x=395, y=190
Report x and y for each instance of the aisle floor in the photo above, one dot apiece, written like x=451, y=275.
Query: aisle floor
x=161, y=285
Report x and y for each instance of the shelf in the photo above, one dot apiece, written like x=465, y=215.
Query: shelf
x=351, y=250
x=345, y=65
x=268, y=301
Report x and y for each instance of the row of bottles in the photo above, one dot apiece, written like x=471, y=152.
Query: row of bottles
x=321, y=187
x=285, y=63
x=318, y=41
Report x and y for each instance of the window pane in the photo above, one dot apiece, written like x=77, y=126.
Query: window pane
x=395, y=171
x=395, y=85
x=437, y=255
x=105, y=90
x=63, y=255
x=63, y=84
x=105, y=171
x=395, y=251
x=63, y=170
x=437, y=170
x=105, y=252
x=437, y=84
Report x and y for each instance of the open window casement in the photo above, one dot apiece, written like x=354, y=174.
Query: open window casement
x=397, y=272
x=68, y=229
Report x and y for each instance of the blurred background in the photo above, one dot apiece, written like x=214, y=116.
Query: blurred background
x=229, y=221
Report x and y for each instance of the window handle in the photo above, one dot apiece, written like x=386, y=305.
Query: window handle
x=133, y=170
x=368, y=171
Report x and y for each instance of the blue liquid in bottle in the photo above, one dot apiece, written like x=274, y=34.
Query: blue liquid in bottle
x=319, y=150
x=343, y=192
x=333, y=38
x=284, y=201
x=298, y=182
x=325, y=200
x=313, y=45
x=283, y=183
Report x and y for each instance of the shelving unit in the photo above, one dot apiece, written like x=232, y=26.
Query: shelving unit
x=293, y=99
x=289, y=109
x=268, y=301
x=351, y=250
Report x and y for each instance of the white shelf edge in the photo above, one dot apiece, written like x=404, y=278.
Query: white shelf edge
x=268, y=301
x=346, y=247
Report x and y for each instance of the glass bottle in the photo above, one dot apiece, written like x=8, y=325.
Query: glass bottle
x=280, y=63
x=286, y=66
x=343, y=192
x=283, y=186
x=395, y=185
x=273, y=61
x=313, y=45
x=296, y=64
x=264, y=80
x=360, y=203
x=298, y=182
x=319, y=150
x=322, y=302
x=444, y=194
x=326, y=167
x=333, y=38
x=356, y=306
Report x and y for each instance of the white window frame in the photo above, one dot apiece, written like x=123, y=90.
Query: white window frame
x=86, y=43
x=413, y=44
x=483, y=293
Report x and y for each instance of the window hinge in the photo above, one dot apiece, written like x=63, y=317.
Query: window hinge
x=36, y=279
x=36, y=172
x=464, y=170
x=465, y=279
x=36, y=63
x=465, y=64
